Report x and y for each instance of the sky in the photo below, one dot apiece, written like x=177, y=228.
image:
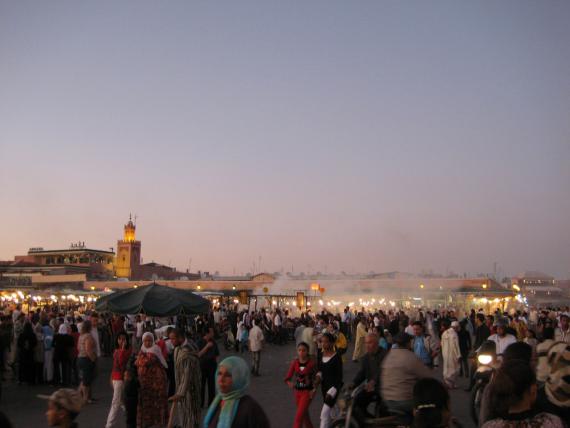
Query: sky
x=318, y=135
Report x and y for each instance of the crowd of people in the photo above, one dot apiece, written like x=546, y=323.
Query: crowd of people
x=166, y=371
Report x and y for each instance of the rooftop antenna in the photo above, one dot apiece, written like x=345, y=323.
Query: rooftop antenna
x=135, y=219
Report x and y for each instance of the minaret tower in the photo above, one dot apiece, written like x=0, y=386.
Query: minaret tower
x=128, y=252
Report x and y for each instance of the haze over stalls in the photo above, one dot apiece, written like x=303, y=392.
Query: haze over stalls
x=360, y=136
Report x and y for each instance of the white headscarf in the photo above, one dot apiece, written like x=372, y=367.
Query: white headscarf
x=153, y=349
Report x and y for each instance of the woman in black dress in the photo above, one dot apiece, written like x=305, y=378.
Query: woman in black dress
x=329, y=375
x=63, y=349
x=27, y=342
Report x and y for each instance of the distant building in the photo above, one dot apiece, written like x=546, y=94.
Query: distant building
x=95, y=264
x=538, y=287
x=533, y=278
x=157, y=271
x=128, y=252
x=564, y=285
x=128, y=262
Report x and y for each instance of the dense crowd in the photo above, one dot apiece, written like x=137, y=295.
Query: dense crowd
x=166, y=370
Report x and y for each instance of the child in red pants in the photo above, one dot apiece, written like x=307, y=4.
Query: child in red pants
x=304, y=370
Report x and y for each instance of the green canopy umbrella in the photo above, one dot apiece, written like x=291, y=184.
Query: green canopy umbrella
x=154, y=300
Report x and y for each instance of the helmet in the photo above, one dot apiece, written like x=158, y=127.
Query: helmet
x=557, y=387
x=501, y=322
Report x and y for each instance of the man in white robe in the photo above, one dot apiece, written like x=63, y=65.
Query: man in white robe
x=359, y=350
x=451, y=355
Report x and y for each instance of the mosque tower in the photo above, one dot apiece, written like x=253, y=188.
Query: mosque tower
x=128, y=252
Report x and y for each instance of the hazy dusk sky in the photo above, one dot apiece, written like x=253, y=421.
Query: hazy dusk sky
x=356, y=135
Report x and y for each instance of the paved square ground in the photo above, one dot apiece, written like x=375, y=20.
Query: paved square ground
x=25, y=410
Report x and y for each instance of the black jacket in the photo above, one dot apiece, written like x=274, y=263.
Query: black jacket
x=370, y=368
x=481, y=334
x=331, y=375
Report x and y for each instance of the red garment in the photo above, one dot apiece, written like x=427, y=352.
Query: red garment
x=302, y=417
x=120, y=359
x=153, y=399
x=117, y=326
x=304, y=374
x=162, y=345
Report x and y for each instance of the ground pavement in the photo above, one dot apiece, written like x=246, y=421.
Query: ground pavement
x=25, y=410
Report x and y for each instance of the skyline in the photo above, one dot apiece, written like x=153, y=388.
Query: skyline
x=381, y=136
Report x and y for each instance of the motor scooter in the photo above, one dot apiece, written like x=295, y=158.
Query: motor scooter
x=348, y=419
x=486, y=359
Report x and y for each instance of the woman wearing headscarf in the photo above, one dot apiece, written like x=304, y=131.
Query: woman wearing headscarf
x=63, y=348
x=151, y=369
x=27, y=342
x=231, y=407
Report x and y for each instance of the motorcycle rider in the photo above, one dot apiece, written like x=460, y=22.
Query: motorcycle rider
x=401, y=369
x=501, y=338
x=518, y=351
x=482, y=334
x=369, y=372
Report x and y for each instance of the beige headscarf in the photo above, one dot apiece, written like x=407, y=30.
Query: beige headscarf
x=153, y=349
